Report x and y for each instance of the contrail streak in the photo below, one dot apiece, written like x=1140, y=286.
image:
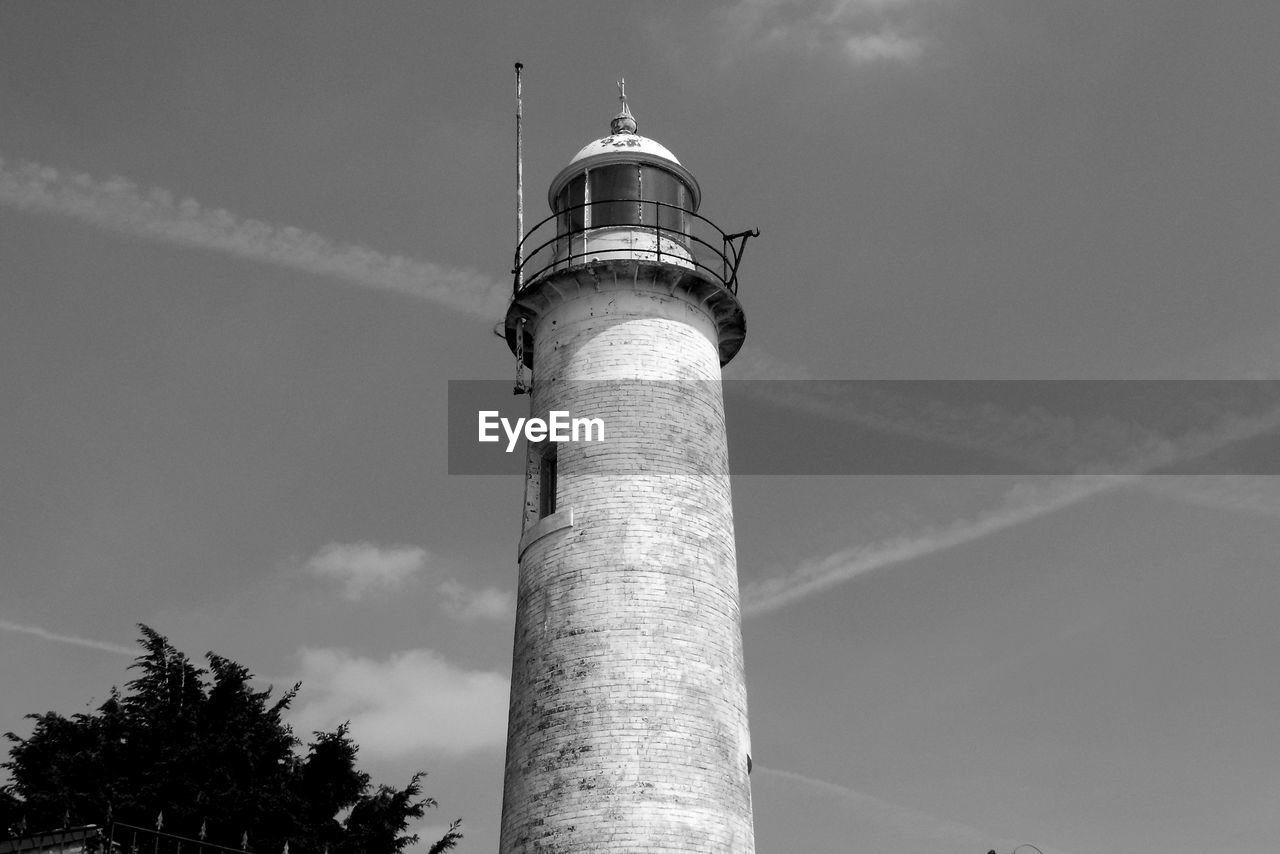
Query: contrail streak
x=1256, y=496
x=1007, y=420
x=119, y=205
x=1023, y=503
x=87, y=643
x=901, y=817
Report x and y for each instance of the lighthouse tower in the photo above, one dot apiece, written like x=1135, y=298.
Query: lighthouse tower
x=628, y=715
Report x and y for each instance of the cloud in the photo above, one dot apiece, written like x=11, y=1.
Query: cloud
x=1023, y=503
x=755, y=363
x=1038, y=427
x=908, y=820
x=413, y=702
x=466, y=604
x=87, y=643
x=1035, y=438
x=1032, y=437
x=883, y=45
x=863, y=31
x=365, y=569
x=1255, y=495
x=119, y=205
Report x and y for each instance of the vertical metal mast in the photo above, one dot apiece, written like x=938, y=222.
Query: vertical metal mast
x=520, y=387
x=519, y=179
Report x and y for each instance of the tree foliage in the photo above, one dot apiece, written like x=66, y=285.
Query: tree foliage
x=203, y=748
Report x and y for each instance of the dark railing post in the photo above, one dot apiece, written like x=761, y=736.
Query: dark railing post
x=657, y=228
x=724, y=260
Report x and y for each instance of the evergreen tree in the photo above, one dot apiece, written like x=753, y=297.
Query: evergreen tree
x=202, y=747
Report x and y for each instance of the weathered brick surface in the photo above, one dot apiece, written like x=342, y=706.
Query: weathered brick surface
x=628, y=717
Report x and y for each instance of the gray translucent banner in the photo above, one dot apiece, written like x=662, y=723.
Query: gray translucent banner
x=913, y=427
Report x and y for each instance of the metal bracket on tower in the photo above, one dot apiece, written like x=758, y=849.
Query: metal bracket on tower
x=735, y=250
x=521, y=386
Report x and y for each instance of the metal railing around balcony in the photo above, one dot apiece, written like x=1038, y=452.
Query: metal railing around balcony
x=629, y=229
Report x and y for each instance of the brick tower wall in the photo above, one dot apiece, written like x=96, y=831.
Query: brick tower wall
x=628, y=717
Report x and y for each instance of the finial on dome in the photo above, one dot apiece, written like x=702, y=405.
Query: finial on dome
x=623, y=122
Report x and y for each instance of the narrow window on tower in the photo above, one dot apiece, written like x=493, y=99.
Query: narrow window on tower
x=542, y=516
x=547, y=481
x=540, y=483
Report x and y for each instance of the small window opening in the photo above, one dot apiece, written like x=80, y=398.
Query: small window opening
x=547, y=482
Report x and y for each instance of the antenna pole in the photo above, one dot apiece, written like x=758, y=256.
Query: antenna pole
x=521, y=387
x=519, y=179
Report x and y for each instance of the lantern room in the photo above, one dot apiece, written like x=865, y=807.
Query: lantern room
x=624, y=197
x=622, y=179
x=626, y=208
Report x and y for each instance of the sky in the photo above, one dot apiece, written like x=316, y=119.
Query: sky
x=244, y=248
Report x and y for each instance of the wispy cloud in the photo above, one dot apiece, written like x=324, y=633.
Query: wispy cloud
x=412, y=702
x=1254, y=495
x=364, y=568
x=907, y=820
x=489, y=603
x=1033, y=438
x=862, y=31
x=119, y=205
x=368, y=571
x=887, y=44
x=1023, y=503
x=1037, y=438
x=73, y=640
x=755, y=363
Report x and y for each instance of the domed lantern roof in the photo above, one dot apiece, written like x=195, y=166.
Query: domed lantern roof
x=624, y=145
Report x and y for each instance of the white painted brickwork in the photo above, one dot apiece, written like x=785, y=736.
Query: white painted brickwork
x=628, y=720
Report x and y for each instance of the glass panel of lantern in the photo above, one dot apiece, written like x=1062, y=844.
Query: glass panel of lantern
x=615, y=194
x=663, y=187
